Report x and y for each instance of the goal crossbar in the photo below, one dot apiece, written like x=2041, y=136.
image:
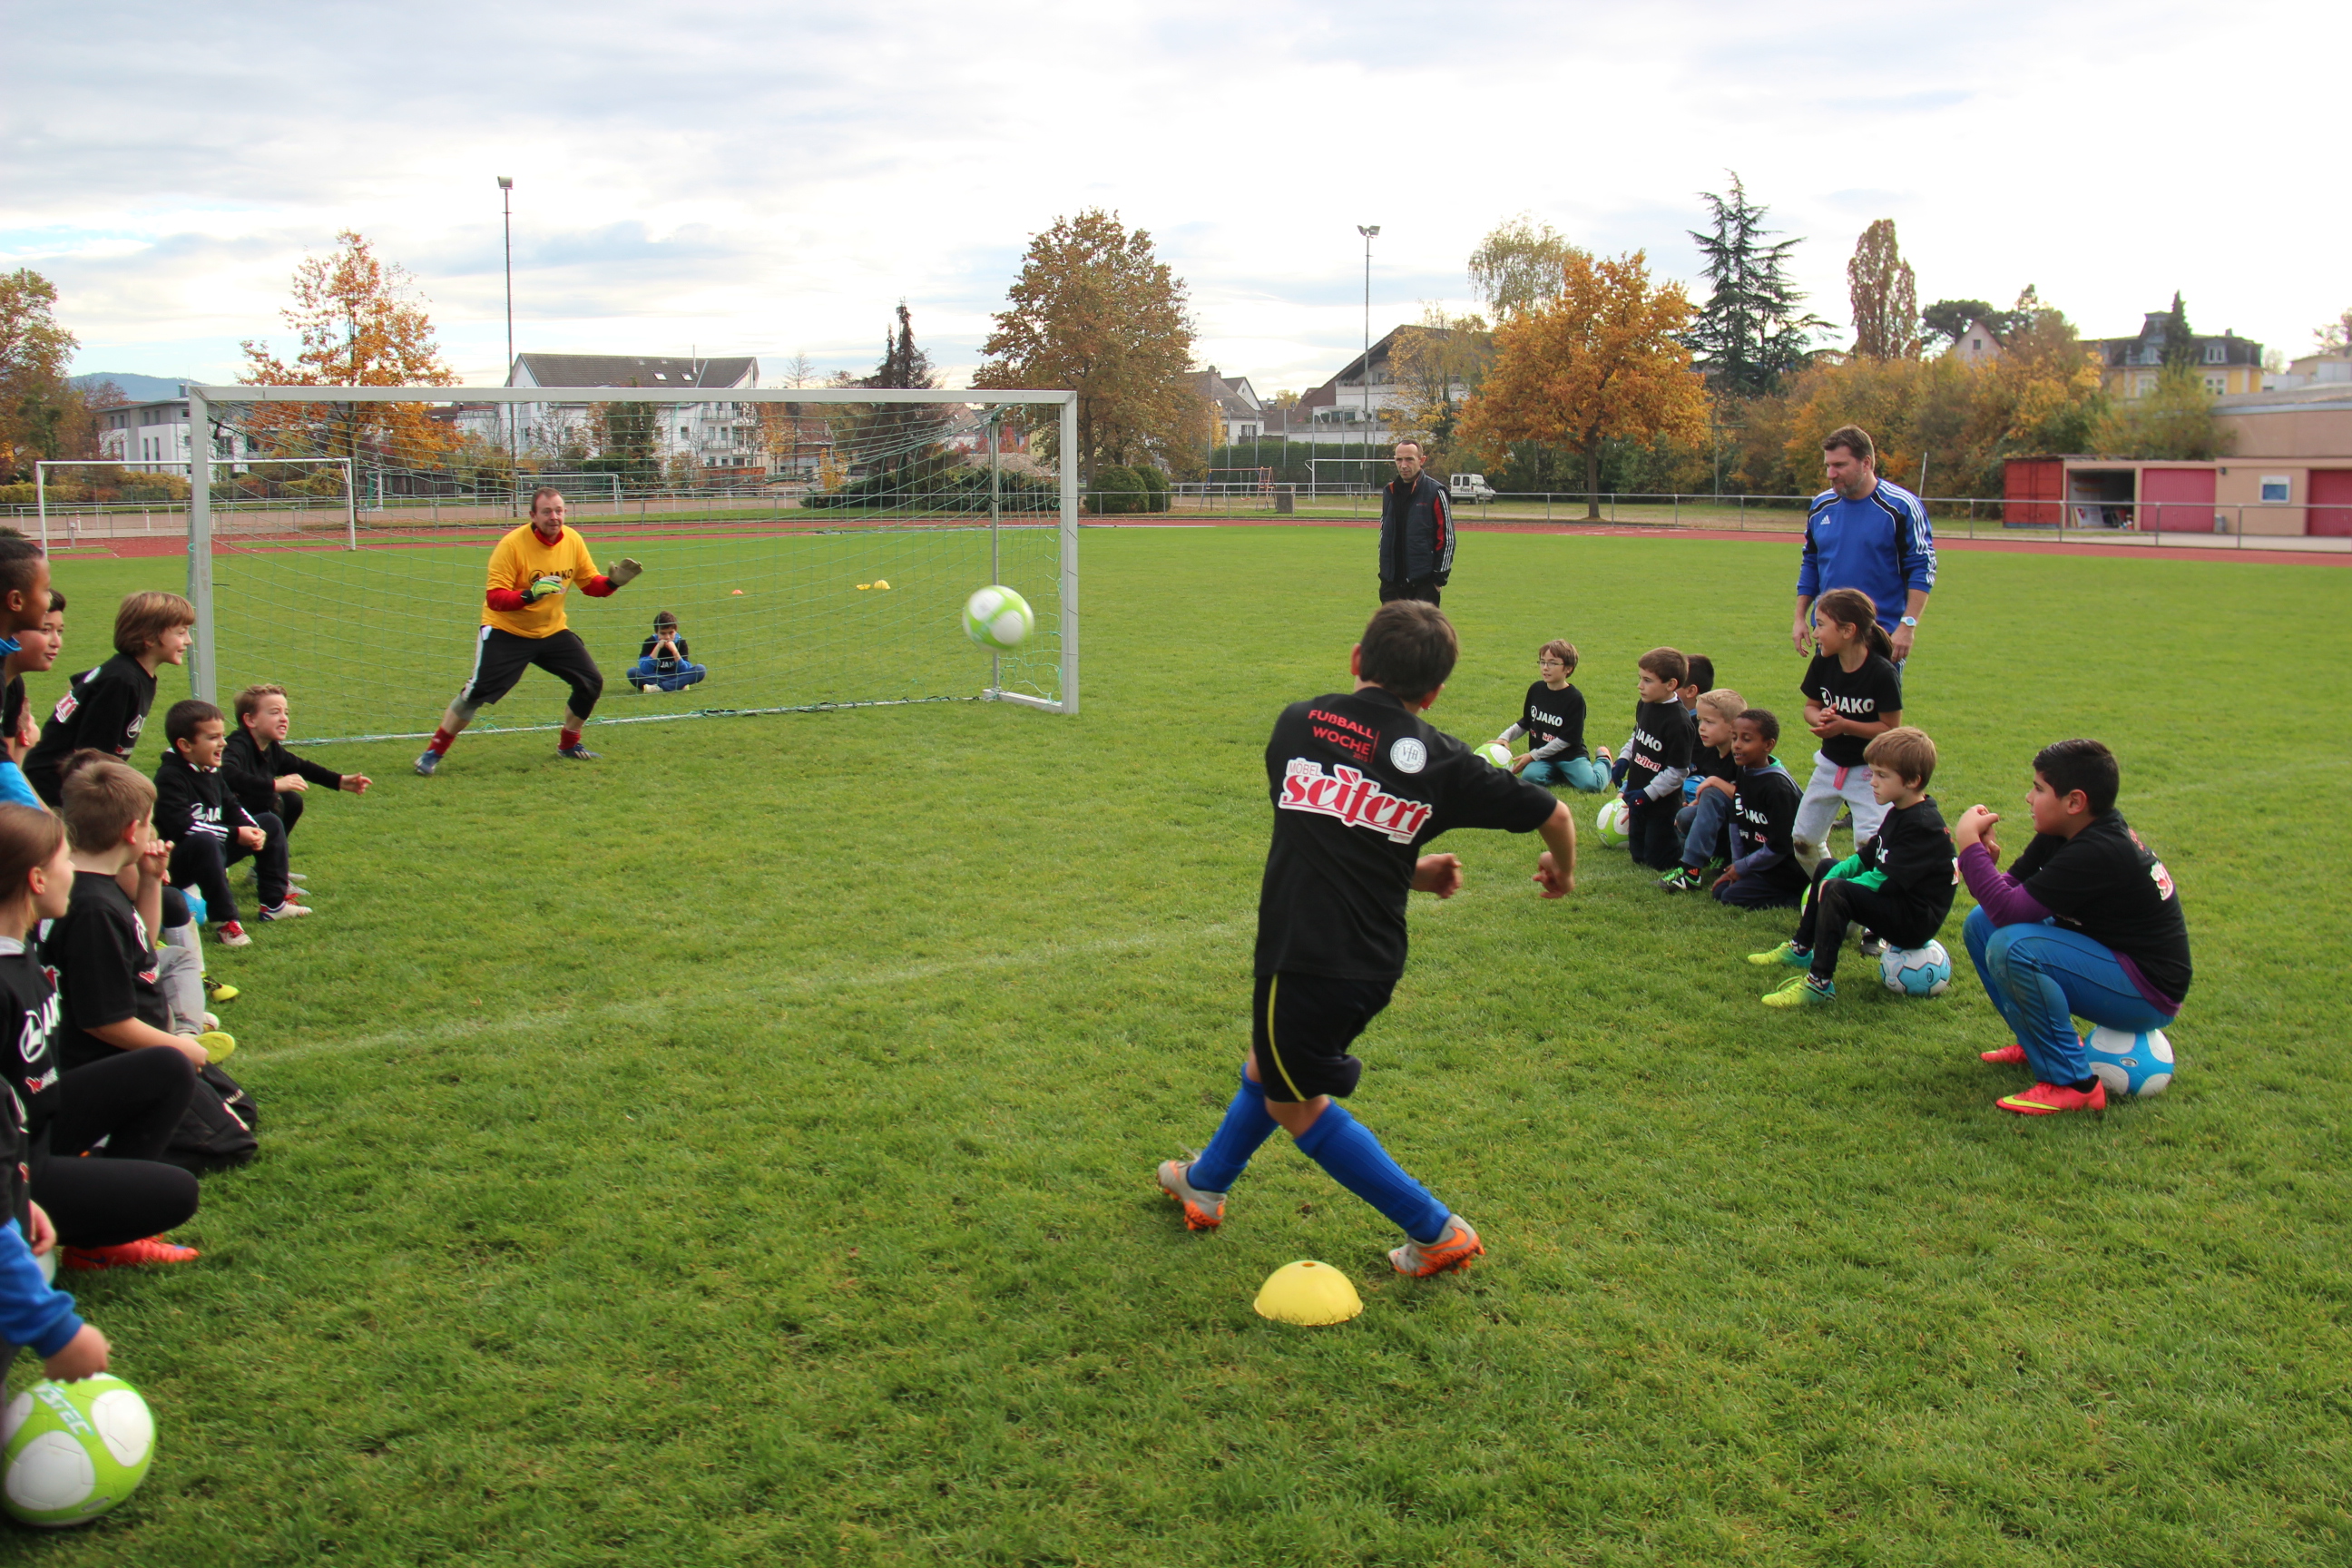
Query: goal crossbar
x=202, y=399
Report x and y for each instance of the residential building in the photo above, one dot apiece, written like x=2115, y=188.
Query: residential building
x=2226, y=363
x=1976, y=346
x=2314, y=370
x=1238, y=414
x=721, y=436
x=155, y=433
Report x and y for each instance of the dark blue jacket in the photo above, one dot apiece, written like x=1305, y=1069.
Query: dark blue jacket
x=1416, y=532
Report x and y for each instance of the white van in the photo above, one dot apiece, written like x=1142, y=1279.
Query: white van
x=1469, y=487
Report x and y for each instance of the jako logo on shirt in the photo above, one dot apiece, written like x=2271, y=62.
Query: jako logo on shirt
x=1849, y=704
x=1351, y=798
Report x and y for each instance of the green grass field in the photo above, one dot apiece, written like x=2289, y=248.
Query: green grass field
x=740, y=1151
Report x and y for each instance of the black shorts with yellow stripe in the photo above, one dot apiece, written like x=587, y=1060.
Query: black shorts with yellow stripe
x=1301, y=1026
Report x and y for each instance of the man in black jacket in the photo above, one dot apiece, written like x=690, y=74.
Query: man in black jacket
x=1416, y=532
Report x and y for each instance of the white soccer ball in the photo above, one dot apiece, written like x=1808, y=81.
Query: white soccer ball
x=1611, y=822
x=1496, y=753
x=2134, y=1064
x=73, y=1450
x=1917, y=971
x=997, y=617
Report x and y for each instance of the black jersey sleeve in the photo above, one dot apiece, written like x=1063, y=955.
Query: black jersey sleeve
x=1885, y=684
x=325, y=776
x=1918, y=858
x=1480, y=796
x=175, y=799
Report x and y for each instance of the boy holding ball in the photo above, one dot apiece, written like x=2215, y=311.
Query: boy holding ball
x=1360, y=783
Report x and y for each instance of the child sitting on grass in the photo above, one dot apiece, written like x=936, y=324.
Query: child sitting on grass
x=105, y=707
x=1898, y=882
x=264, y=778
x=1552, y=719
x=92, y=1137
x=1763, y=873
x=36, y=650
x=662, y=661
x=1656, y=758
x=1706, y=823
x=2087, y=923
x=208, y=830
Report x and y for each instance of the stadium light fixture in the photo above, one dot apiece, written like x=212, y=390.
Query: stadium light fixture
x=1364, y=368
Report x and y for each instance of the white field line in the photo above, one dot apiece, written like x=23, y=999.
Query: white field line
x=654, y=1011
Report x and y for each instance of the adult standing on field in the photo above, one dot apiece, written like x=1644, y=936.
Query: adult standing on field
x=523, y=625
x=1867, y=533
x=1416, y=532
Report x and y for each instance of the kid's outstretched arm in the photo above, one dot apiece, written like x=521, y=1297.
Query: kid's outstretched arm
x=1556, y=866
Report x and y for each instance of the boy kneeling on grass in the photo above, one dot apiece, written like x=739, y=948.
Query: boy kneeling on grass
x=1898, y=881
x=2085, y=924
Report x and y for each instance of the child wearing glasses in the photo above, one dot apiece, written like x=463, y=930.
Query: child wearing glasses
x=1553, y=721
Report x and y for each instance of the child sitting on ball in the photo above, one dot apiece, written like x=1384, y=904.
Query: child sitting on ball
x=1897, y=882
x=1552, y=719
x=2085, y=925
x=662, y=662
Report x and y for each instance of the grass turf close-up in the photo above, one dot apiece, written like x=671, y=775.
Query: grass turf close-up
x=741, y=1150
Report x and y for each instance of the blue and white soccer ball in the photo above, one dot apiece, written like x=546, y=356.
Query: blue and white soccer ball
x=997, y=617
x=2134, y=1064
x=1496, y=753
x=1917, y=971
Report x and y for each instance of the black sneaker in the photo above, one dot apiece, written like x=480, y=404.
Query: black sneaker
x=1872, y=944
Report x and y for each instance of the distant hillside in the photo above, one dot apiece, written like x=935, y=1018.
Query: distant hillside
x=136, y=387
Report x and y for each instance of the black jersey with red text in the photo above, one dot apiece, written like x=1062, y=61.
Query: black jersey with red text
x=1664, y=735
x=104, y=708
x=1359, y=784
x=1554, y=722
x=2106, y=884
x=104, y=967
x=28, y=1011
x=1870, y=693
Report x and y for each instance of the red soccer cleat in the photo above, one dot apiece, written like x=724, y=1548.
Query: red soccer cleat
x=129, y=1253
x=2049, y=1099
x=2008, y=1055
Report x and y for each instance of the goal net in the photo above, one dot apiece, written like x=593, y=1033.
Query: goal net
x=815, y=547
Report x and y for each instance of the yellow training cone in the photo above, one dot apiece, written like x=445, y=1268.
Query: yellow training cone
x=862, y=586
x=1308, y=1292
x=879, y=583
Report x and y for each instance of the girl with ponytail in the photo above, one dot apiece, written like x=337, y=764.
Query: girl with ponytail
x=1853, y=695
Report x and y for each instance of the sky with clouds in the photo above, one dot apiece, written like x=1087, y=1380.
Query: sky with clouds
x=772, y=179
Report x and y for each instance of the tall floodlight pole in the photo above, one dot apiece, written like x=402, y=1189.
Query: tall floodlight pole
x=506, y=212
x=1365, y=368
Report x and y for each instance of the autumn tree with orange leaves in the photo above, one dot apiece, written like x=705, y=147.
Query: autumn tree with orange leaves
x=1600, y=361
x=361, y=323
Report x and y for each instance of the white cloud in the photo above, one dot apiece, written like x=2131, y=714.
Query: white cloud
x=776, y=178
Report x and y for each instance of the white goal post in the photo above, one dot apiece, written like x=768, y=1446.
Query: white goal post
x=442, y=481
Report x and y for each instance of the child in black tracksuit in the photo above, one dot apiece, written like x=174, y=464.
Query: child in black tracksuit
x=1656, y=759
x=1764, y=873
x=208, y=830
x=1899, y=883
x=264, y=778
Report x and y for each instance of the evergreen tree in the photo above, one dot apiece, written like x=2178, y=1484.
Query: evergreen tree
x=2179, y=340
x=1753, y=330
x=898, y=436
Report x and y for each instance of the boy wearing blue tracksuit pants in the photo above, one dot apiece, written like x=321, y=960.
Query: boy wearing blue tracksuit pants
x=662, y=661
x=2085, y=924
x=1360, y=783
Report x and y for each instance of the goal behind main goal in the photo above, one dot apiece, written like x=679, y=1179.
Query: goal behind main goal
x=816, y=547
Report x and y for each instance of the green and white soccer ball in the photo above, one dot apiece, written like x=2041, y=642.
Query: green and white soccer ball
x=73, y=1450
x=1496, y=753
x=997, y=617
x=2132, y=1063
x=1611, y=822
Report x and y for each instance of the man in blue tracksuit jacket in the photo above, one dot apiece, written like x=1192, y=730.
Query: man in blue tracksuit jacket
x=1863, y=532
x=1416, y=532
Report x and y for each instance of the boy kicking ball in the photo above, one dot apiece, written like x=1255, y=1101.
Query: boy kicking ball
x=1359, y=784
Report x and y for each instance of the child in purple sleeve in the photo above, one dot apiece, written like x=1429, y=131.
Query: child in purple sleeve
x=2085, y=924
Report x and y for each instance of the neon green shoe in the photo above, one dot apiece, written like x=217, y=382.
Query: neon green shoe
x=1800, y=990
x=1788, y=954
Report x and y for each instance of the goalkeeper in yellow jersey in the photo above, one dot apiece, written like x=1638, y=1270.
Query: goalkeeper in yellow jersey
x=522, y=624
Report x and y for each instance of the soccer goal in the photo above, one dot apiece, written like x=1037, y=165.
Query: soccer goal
x=816, y=547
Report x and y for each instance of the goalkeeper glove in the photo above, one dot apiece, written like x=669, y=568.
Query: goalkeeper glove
x=540, y=588
x=625, y=572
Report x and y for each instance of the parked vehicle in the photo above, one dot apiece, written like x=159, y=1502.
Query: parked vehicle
x=1469, y=487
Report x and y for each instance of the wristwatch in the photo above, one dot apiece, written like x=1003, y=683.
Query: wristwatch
x=1911, y=621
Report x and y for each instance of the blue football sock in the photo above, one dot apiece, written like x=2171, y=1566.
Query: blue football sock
x=1246, y=1125
x=1346, y=1148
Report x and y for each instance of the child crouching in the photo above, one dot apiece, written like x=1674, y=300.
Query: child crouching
x=1898, y=882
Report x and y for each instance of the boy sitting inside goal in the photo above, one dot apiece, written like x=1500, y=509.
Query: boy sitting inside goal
x=662, y=662
x=1898, y=882
x=1359, y=784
